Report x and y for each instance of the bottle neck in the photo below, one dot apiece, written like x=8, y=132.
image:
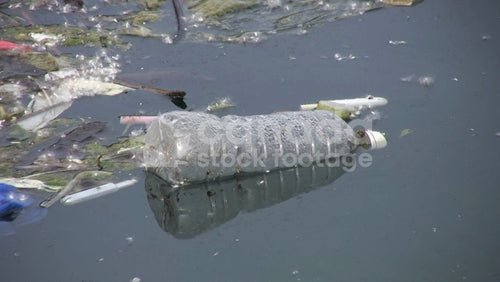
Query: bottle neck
x=362, y=139
x=370, y=139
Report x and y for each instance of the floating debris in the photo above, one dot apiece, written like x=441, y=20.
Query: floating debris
x=408, y=78
x=129, y=240
x=405, y=132
x=137, y=119
x=16, y=209
x=241, y=21
x=346, y=108
x=7, y=45
x=397, y=42
x=75, y=183
x=339, y=57
x=50, y=35
x=29, y=183
x=220, y=104
x=472, y=131
x=401, y=2
x=426, y=80
x=96, y=192
x=486, y=37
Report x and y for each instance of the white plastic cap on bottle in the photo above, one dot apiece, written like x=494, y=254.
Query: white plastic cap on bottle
x=377, y=139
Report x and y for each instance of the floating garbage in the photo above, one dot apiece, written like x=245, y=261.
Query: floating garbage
x=11, y=202
x=240, y=21
x=7, y=45
x=401, y=2
x=347, y=108
x=339, y=57
x=16, y=209
x=220, y=104
x=426, y=80
x=397, y=42
x=96, y=192
x=405, y=132
x=189, y=147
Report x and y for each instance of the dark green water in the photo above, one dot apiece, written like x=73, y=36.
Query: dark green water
x=427, y=209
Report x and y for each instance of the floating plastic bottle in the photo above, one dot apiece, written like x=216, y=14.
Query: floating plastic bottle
x=186, y=147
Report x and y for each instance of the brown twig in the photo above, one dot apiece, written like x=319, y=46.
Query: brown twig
x=169, y=93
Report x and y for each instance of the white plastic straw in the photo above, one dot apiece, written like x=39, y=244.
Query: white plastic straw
x=96, y=192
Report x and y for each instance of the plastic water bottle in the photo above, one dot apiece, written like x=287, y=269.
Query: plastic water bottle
x=185, y=147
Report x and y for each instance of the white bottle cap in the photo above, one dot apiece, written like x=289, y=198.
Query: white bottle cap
x=377, y=139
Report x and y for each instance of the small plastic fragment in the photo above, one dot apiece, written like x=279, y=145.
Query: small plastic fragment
x=8, y=45
x=11, y=202
x=96, y=192
x=405, y=132
x=426, y=80
x=220, y=104
x=345, y=108
x=397, y=42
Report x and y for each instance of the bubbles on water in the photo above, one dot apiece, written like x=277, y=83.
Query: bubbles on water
x=485, y=37
x=129, y=240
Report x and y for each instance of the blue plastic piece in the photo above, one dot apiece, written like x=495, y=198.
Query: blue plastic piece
x=12, y=202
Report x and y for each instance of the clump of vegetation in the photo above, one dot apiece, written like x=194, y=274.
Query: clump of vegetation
x=63, y=35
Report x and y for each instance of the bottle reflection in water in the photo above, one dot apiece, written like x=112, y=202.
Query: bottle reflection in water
x=190, y=210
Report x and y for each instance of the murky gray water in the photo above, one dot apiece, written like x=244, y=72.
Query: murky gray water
x=427, y=209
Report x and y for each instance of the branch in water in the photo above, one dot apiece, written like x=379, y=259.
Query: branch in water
x=170, y=93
